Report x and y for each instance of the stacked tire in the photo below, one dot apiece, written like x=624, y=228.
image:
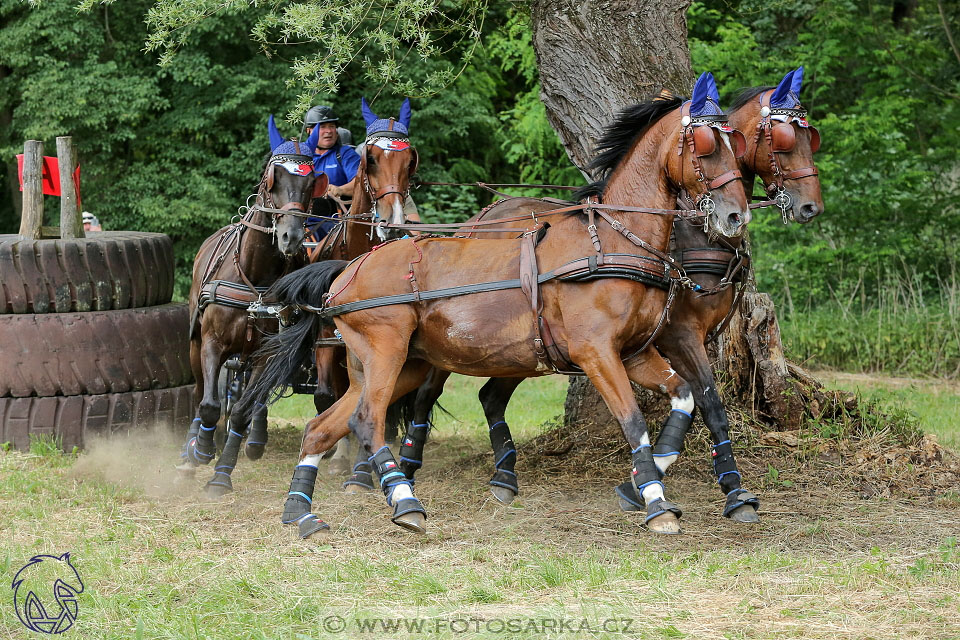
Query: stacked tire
x=90, y=343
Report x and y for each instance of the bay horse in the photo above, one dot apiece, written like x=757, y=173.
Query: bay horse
x=387, y=162
x=382, y=184
x=232, y=269
x=780, y=153
x=583, y=294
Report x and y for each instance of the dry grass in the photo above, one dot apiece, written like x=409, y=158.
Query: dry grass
x=827, y=560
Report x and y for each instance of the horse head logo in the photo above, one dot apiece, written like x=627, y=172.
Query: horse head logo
x=45, y=593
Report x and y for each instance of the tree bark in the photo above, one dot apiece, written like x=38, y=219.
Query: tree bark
x=596, y=57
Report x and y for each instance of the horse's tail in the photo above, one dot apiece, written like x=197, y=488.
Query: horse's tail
x=400, y=414
x=287, y=351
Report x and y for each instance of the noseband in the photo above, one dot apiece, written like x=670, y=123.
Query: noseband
x=765, y=128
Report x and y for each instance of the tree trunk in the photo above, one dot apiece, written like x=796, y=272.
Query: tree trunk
x=595, y=58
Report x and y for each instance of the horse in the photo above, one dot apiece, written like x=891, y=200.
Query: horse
x=381, y=186
x=232, y=269
x=784, y=163
x=583, y=298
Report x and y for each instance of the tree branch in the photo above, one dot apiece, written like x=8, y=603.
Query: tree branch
x=946, y=29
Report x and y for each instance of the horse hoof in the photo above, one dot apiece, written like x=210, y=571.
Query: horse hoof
x=338, y=467
x=665, y=524
x=215, y=491
x=413, y=521
x=186, y=470
x=356, y=488
x=626, y=505
x=744, y=513
x=254, y=451
x=502, y=494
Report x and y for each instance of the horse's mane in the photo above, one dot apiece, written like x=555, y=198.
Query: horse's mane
x=745, y=95
x=619, y=136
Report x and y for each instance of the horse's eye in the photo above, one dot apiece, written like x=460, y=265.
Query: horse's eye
x=371, y=159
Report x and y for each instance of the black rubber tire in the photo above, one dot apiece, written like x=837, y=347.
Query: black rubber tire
x=106, y=270
x=75, y=418
x=95, y=352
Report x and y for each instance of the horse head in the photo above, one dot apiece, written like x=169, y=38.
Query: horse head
x=290, y=184
x=703, y=160
x=781, y=149
x=387, y=161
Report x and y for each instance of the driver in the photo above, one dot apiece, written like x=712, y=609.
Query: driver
x=339, y=161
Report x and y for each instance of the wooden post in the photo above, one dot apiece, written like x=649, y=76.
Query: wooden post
x=32, y=218
x=71, y=223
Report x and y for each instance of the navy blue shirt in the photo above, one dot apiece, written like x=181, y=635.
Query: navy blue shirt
x=340, y=170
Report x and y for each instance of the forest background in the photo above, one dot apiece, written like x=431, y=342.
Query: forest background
x=870, y=285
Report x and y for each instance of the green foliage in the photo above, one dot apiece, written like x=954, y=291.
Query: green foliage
x=387, y=43
x=882, y=83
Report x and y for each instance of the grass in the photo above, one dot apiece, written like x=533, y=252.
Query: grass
x=159, y=561
x=536, y=402
x=935, y=403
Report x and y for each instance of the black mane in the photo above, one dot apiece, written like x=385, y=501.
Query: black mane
x=746, y=95
x=619, y=137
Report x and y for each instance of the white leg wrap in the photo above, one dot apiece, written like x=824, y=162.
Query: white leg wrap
x=663, y=462
x=401, y=492
x=311, y=460
x=651, y=493
x=684, y=403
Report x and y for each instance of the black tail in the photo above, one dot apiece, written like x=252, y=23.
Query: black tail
x=287, y=351
x=399, y=414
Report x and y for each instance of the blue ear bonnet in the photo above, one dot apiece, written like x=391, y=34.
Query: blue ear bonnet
x=376, y=124
x=705, y=100
x=787, y=93
x=279, y=144
x=288, y=148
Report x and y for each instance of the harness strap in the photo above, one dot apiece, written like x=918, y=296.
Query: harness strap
x=726, y=320
x=796, y=174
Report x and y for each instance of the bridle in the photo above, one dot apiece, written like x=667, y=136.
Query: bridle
x=782, y=138
x=697, y=133
x=388, y=141
x=264, y=195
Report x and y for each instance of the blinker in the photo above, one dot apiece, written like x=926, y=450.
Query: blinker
x=704, y=140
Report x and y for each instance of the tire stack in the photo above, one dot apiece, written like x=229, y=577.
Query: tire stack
x=89, y=340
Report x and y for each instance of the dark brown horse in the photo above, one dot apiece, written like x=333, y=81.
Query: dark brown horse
x=386, y=163
x=594, y=303
x=780, y=152
x=233, y=268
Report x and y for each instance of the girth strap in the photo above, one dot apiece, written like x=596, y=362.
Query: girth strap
x=228, y=294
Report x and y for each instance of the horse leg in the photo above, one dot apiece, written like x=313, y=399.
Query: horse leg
x=611, y=380
x=221, y=482
x=339, y=462
x=494, y=396
x=361, y=480
x=388, y=377
x=201, y=448
x=332, y=379
x=320, y=434
x=188, y=465
x=411, y=447
x=689, y=358
x=257, y=440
